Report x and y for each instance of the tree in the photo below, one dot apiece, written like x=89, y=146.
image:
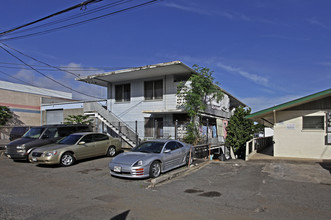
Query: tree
x=78, y=119
x=197, y=93
x=239, y=130
x=5, y=115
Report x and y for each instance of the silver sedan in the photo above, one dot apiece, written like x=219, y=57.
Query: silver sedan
x=150, y=159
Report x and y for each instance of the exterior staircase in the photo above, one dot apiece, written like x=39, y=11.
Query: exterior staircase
x=124, y=131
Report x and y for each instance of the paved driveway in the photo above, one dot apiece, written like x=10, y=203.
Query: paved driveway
x=218, y=190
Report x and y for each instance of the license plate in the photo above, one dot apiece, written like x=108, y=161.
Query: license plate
x=117, y=169
x=34, y=159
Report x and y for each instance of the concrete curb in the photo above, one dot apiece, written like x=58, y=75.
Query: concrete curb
x=177, y=173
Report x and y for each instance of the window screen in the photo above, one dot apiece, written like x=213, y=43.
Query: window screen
x=153, y=89
x=122, y=93
x=313, y=122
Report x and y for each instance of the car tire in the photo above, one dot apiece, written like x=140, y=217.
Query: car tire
x=188, y=159
x=111, y=151
x=155, y=169
x=67, y=159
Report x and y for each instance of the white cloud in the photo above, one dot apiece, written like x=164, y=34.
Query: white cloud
x=258, y=79
x=250, y=76
x=260, y=103
x=188, y=6
x=78, y=70
x=196, y=10
x=65, y=78
x=314, y=21
x=231, y=15
x=324, y=63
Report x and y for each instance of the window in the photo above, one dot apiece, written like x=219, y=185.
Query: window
x=88, y=138
x=122, y=93
x=51, y=133
x=313, y=123
x=100, y=137
x=153, y=89
x=171, y=146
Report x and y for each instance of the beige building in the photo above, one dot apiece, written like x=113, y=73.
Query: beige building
x=25, y=102
x=302, y=127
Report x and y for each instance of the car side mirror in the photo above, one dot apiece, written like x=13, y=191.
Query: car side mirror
x=167, y=151
x=81, y=143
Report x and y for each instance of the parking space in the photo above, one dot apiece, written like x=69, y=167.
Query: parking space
x=217, y=190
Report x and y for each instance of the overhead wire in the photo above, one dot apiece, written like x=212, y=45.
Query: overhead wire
x=16, y=78
x=80, y=22
x=55, y=81
x=27, y=83
x=77, y=75
x=107, y=6
x=71, y=68
x=52, y=15
x=63, y=27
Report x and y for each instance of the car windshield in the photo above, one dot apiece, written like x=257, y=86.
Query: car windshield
x=71, y=139
x=34, y=133
x=149, y=147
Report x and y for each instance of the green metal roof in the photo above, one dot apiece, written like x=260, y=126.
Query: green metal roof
x=290, y=104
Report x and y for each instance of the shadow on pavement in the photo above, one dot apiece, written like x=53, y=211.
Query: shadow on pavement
x=121, y=216
x=326, y=165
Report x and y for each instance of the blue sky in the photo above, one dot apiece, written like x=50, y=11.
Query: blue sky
x=264, y=52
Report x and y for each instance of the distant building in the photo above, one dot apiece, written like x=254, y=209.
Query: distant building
x=25, y=101
x=302, y=127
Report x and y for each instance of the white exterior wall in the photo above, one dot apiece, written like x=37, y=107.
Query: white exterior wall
x=223, y=104
x=292, y=141
x=132, y=111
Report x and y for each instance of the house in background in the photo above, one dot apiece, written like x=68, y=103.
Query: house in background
x=142, y=103
x=25, y=101
x=302, y=127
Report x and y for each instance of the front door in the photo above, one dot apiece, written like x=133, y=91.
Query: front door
x=171, y=158
x=87, y=149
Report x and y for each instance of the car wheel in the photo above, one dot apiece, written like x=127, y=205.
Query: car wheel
x=155, y=169
x=111, y=151
x=188, y=159
x=67, y=159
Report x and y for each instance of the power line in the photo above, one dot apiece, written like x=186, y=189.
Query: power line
x=76, y=75
x=110, y=5
x=16, y=78
x=71, y=68
x=30, y=84
x=83, y=4
x=81, y=22
x=46, y=75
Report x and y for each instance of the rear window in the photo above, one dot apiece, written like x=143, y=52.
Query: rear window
x=67, y=130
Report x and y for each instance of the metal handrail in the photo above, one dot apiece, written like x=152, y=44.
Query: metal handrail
x=112, y=119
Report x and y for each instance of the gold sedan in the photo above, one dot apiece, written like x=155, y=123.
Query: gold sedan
x=74, y=147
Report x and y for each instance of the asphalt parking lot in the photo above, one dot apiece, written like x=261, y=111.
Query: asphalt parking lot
x=211, y=190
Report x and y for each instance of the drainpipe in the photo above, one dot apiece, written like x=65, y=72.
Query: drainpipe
x=275, y=119
x=165, y=92
x=109, y=96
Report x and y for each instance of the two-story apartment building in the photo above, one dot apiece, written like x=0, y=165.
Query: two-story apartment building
x=144, y=100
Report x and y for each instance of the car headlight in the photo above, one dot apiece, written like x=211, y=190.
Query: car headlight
x=21, y=147
x=138, y=163
x=50, y=153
